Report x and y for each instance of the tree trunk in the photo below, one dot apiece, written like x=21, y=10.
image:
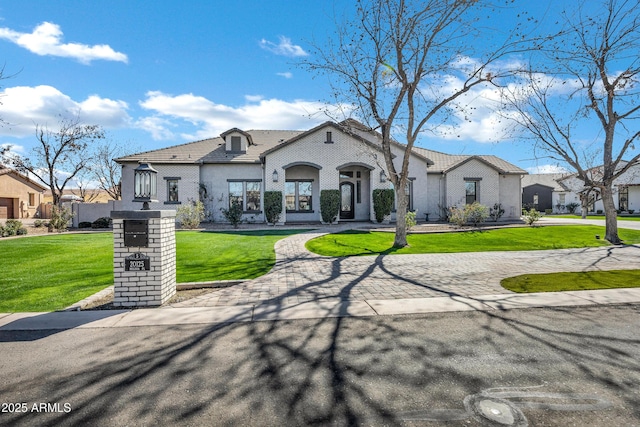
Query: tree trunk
x=400, y=240
x=584, y=205
x=611, y=216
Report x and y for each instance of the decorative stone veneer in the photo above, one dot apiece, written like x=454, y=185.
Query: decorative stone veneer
x=157, y=285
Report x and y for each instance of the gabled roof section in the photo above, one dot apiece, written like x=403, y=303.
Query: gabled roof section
x=444, y=163
x=213, y=150
x=17, y=175
x=351, y=127
x=236, y=130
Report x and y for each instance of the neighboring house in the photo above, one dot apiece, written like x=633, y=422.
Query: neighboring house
x=240, y=165
x=538, y=190
x=568, y=188
x=20, y=197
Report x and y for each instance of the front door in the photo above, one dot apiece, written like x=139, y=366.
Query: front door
x=347, y=209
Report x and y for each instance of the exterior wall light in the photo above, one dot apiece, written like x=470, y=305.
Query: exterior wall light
x=383, y=177
x=145, y=184
x=275, y=175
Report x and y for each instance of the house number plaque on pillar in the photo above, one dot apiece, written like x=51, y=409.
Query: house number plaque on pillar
x=137, y=262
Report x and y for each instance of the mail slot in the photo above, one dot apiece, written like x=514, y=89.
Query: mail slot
x=136, y=233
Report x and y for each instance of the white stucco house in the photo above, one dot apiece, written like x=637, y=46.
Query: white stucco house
x=241, y=165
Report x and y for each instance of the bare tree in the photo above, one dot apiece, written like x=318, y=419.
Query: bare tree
x=60, y=156
x=106, y=171
x=591, y=77
x=390, y=65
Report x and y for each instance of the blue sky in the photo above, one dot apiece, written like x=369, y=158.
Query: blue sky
x=159, y=73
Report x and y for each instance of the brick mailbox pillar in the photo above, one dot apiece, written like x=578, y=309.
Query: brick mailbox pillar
x=144, y=257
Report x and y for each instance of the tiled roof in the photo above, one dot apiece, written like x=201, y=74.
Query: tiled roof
x=546, y=179
x=213, y=150
x=6, y=171
x=443, y=162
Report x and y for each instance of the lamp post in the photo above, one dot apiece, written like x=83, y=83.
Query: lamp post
x=145, y=184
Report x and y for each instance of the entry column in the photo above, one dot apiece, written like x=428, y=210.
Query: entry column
x=144, y=257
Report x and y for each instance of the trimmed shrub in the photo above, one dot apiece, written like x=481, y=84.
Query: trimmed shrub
x=329, y=205
x=21, y=231
x=190, y=215
x=11, y=227
x=382, y=203
x=84, y=224
x=233, y=214
x=531, y=216
x=272, y=206
x=104, y=222
x=38, y=223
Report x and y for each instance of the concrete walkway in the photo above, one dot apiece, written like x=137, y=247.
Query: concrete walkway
x=306, y=285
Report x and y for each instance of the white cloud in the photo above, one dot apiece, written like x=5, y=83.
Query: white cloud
x=254, y=98
x=547, y=169
x=285, y=47
x=46, y=39
x=24, y=106
x=286, y=75
x=211, y=119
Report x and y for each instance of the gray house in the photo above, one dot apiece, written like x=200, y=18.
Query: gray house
x=241, y=165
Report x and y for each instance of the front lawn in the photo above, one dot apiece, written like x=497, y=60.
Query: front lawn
x=51, y=272
x=580, y=281
x=350, y=243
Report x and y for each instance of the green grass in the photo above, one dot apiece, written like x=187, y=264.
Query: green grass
x=205, y=256
x=600, y=217
x=352, y=243
x=51, y=272
x=558, y=282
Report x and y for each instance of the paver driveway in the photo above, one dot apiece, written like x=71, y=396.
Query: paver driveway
x=300, y=276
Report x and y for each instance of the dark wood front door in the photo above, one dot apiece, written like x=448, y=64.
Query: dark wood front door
x=347, y=208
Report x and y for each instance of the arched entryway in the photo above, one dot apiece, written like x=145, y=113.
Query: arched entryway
x=355, y=189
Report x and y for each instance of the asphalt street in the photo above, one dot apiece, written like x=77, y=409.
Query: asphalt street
x=553, y=367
